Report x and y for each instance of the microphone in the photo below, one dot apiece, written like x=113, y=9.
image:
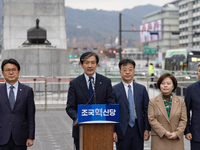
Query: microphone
x=93, y=87
x=92, y=82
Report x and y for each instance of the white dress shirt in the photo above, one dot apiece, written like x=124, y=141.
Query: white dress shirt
x=15, y=89
x=87, y=79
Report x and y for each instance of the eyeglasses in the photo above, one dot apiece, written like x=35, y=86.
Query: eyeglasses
x=11, y=70
x=127, y=69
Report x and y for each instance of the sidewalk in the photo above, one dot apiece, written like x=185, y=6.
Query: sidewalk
x=54, y=127
x=54, y=132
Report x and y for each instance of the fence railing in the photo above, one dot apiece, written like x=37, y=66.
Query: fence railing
x=51, y=92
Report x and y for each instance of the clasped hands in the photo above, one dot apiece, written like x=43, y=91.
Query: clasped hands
x=170, y=135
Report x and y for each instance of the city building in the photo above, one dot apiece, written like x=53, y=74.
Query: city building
x=160, y=30
x=189, y=23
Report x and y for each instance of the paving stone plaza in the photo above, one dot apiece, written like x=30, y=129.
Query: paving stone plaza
x=54, y=130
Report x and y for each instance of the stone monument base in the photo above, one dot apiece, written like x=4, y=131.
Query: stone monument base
x=41, y=60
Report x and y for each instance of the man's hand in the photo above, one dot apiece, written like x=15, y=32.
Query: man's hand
x=188, y=136
x=29, y=142
x=115, y=138
x=146, y=135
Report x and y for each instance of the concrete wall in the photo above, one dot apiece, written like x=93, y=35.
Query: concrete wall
x=40, y=61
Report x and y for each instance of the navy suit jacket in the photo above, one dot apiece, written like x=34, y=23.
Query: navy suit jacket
x=21, y=120
x=192, y=101
x=141, y=100
x=78, y=93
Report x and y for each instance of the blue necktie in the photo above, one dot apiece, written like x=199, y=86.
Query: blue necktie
x=91, y=91
x=11, y=97
x=131, y=107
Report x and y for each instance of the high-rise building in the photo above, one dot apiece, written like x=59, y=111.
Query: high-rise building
x=179, y=26
x=189, y=23
x=160, y=30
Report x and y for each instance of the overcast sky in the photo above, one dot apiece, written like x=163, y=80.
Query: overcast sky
x=109, y=5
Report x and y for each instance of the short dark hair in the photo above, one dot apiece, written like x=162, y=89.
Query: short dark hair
x=11, y=61
x=165, y=75
x=125, y=62
x=86, y=55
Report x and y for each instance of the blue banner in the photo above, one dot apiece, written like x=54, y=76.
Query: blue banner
x=98, y=113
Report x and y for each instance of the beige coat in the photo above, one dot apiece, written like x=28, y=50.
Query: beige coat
x=161, y=123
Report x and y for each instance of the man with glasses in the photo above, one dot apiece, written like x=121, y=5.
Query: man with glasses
x=17, y=110
x=133, y=127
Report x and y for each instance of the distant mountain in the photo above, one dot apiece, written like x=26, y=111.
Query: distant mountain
x=98, y=24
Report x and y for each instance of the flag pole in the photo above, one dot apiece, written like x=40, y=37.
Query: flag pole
x=120, y=37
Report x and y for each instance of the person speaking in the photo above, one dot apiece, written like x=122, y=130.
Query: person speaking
x=82, y=90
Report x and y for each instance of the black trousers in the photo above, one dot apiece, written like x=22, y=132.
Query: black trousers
x=195, y=145
x=132, y=139
x=76, y=143
x=12, y=146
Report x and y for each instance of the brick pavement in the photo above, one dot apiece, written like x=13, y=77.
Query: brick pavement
x=54, y=127
x=54, y=130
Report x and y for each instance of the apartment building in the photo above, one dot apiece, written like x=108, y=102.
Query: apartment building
x=189, y=23
x=165, y=36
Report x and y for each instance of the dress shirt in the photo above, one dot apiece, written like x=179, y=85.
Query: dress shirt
x=15, y=89
x=126, y=89
x=87, y=79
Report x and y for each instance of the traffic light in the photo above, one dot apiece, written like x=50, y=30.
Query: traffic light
x=72, y=56
x=101, y=51
x=123, y=51
x=114, y=51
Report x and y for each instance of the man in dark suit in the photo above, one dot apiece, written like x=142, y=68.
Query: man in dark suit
x=133, y=127
x=192, y=101
x=17, y=110
x=79, y=92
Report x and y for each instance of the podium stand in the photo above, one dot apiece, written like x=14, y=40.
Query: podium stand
x=96, y=126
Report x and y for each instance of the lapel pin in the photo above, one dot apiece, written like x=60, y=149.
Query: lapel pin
x=100, y=83
x=20, y=89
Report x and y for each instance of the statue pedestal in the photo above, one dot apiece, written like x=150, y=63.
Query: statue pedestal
x=40, y=60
